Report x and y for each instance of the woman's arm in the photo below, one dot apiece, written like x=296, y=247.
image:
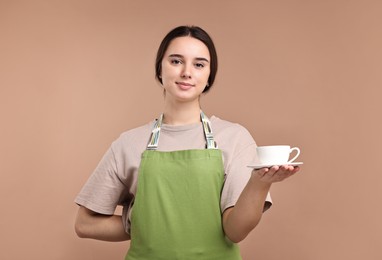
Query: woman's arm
x=239, y=220
x=90, y=224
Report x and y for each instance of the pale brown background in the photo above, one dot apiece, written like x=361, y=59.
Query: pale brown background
x=75, y=74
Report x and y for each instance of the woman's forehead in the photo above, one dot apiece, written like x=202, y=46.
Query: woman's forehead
x=189, y=47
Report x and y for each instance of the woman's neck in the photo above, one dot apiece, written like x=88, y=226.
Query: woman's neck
x=181, y=114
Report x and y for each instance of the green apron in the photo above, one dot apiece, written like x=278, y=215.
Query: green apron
x=176, y=212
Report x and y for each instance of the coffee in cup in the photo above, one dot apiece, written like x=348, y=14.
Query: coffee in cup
x=276, y=154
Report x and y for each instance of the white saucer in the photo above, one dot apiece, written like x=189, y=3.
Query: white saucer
x=259, y=166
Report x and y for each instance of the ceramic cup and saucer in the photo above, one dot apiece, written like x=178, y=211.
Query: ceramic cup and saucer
x=272, y=155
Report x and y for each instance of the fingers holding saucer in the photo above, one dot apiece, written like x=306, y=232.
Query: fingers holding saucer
x=276, y=173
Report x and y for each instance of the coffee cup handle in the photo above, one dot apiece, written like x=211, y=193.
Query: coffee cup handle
x=295, y=157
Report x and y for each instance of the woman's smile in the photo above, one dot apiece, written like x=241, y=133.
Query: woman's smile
x=184, y=85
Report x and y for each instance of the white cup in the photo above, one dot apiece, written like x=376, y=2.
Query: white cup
x=276, y=154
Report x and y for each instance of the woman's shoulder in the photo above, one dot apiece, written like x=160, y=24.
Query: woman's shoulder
x=219, y=124
x=134, y=138
x=138, y=131
x=227, y=130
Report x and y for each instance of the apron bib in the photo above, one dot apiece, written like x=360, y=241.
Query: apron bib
x=176, y=212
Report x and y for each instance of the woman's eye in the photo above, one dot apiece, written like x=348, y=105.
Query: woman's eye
x=175, y=61
x=199, y=65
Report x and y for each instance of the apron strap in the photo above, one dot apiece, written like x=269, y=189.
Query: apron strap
x=155, y=133
x=211, y=144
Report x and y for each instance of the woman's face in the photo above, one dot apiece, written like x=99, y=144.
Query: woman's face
x=185, y=69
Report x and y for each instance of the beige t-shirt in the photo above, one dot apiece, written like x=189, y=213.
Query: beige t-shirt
x=114, y=181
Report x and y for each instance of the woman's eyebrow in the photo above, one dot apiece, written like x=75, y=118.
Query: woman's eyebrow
x=202, y=59
x=181, y=56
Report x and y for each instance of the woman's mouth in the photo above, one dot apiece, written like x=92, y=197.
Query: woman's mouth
x=184, y=85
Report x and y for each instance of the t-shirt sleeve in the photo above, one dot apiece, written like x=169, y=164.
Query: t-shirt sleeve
x=103, y=190
x=238, y=172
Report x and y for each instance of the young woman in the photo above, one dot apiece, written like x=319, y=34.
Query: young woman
x=186, y=190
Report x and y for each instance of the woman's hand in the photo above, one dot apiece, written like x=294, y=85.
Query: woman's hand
x=274, y=173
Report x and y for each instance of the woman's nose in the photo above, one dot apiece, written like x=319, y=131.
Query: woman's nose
x=186, y=73
x=186, y=76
